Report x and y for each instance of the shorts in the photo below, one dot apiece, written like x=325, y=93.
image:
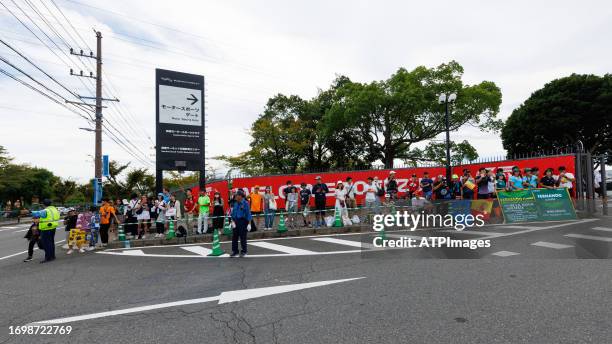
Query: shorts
x=483, y=196
x=144, y=216
x=320, y=206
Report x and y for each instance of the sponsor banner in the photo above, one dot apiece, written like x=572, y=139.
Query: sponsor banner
x=278, y=182
x=536, y=205
x=482, y=207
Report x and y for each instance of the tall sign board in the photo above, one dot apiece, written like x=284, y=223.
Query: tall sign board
x=179, y=123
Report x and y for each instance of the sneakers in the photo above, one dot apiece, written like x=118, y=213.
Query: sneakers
x=90, y=248
x=234, y=255
x=27, y=259
x=69, y=251
x=243, y=254
x=82, y=250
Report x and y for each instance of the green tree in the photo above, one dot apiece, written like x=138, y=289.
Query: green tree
x=394, y=114
x=140, y=181
x=564, y=111
x=5, y=159
x=436, y=152
x=63, y=189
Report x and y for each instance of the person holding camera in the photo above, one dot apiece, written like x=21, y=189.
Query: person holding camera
x=482, y=181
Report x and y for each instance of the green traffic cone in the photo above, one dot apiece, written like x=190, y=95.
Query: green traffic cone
x=216, y=247
x=382, y=234
x=281, y=224
x=337, y=219
x=227, y=229
x=171, y=234
x=121, y=235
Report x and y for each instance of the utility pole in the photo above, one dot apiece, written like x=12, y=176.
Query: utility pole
x=98, y=106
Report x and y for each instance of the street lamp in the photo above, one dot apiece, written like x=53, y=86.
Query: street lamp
x=446, y=99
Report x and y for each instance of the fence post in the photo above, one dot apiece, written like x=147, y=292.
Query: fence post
x=578, y=182
x=589, y=183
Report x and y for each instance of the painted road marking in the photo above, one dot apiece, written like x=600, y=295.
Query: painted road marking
x=519, y=227
x=400, y=236
x=350, y=243
x=133, y=253
x=589, y=237
x=505, y=254
x=7, y=228
x=540, y=228
x=202, y=251
x=22, y=252
x=281, y=248
x=225, y=297
x=605, y=229
x=551, y=245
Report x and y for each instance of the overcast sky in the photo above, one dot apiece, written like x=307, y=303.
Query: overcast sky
x=250, y=50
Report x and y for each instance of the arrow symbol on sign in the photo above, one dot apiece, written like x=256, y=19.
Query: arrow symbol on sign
x=224, y=297
x=193, y=99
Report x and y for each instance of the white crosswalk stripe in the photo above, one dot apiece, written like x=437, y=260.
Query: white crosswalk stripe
x=605, y=229
x=589, y=237
x=350, y=243
x=505, y=253
x=133, y=253
x=551, y=245
x=280, y=248
x=202, y=251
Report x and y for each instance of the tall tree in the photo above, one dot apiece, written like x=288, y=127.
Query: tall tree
x=564, y=111
x=394, y=114
x=64, y=189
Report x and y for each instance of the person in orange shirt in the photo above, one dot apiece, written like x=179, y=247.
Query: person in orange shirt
x=256, y=201
x=106, y=211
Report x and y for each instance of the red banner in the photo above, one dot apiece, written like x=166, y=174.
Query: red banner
x=278, y=182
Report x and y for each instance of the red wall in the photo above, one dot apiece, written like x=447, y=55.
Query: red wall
x=277, y=182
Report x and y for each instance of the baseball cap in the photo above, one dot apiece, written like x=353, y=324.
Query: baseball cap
x=392, y=172
x=454, y=176
x=318, y=177
x=339, y=182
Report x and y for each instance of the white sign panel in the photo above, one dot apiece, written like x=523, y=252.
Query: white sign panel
x=179, y=105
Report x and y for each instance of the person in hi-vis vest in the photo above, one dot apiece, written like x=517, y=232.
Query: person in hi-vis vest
x=49, y=220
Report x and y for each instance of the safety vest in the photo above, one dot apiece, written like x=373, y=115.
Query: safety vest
x=51, y=219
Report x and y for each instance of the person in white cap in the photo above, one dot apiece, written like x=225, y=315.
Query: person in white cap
x=392, y=186
x=340, y=195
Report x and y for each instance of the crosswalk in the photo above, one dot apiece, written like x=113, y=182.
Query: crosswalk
x=547, y=242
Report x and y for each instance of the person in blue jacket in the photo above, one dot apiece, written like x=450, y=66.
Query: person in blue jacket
x=241, y=222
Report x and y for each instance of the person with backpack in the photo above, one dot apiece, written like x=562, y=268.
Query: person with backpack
x=351, y=202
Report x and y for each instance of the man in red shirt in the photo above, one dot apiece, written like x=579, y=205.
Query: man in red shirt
x=413, y=186
x=191, y=212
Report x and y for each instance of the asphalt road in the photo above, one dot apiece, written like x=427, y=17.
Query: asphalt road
x=530, y=286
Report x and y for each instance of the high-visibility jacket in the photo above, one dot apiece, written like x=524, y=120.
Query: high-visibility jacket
x=51, y=219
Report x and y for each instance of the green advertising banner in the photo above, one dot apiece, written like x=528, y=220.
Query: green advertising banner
x=536, y=205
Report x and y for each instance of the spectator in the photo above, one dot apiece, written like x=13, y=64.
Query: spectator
x=536, y=173
x=392, y=186
x=291, y=206
x=427, y=186
x=516, y=179
x=413, y=186
x=371, y=203
x=305, y=203
x=241, y=218
x=190, y=211
x=441, y=189
x=166, y=194
x=468, y=184
x=256, y=201
x=566, y=180
x=160, y=219
x=217, y=211
x=107, y=212
x=288, y=188
x=320, y=191
x=70, y=222
x=143, y=215
x=381, y=190
x=173, y=212
x=548, y=181
x=455, y=187
x=269, y=208
x=500, y=180
x=131, y=222
x=33, y=236
x=204, y=210
x=482, y=181
x=340, y=195
x=529, y=180
x=94, y=225
x=180, y=196
x=491, y=188
x=351, y=203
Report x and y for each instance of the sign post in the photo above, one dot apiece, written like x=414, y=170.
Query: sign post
x=179, y=124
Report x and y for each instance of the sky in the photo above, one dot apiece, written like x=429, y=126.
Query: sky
x=249, y=51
